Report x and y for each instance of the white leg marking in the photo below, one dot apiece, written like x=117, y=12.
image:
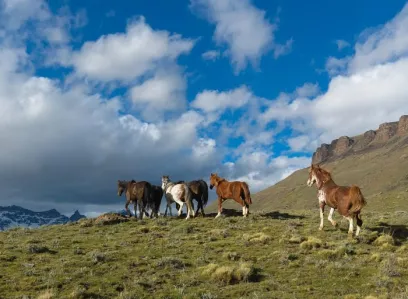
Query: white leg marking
x=357, y=231
x=330, y=218
x=218, y=215
x=321, y=219
x=350, y=219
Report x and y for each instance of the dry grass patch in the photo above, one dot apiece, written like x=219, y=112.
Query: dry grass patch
x=48, y=294
x=311, y=243
x=384, y=240
x=261, y=238
x=231, y=274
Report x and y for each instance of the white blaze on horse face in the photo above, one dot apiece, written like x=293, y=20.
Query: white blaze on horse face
x=311, y=180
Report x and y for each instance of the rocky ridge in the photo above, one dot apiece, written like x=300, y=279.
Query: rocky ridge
x=345, y=145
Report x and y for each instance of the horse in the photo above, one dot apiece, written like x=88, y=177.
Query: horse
x=236, y=190
x=179, y=193
x=136, y=192
x=199, y=190
x=347, y=200
x=156, y=195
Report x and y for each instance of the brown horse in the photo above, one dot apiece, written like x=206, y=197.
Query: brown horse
x=236, y=190
x=138, y=193
x=348, y=200
x=199, y=192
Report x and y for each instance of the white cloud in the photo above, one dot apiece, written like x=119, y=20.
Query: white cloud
x=342, y=44
x=260, y=172
x=164, y=92
x=377, y=46
x=298, y=143
x=211, y=55
x=371, y=90
x=218, y=101
x=126, y=56
x=243, y=28
x=307, y=90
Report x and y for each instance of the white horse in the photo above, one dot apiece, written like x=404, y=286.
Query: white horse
x=179, y=193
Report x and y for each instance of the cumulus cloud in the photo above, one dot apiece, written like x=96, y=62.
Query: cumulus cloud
x=163, y=92
x=213, y=100
x=243, y=28
x=371, y=90
x=126, y=56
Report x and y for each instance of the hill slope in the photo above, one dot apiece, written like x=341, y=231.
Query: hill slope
x=275, y=255
x=380, y=168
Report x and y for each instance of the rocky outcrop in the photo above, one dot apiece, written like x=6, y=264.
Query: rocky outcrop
x=346, y=145
x=403, y=126
x=385, y=132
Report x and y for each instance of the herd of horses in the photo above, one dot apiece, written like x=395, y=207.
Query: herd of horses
x=347, y=200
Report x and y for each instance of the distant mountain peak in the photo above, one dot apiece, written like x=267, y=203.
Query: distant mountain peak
x=76, y=216
x=15, y=216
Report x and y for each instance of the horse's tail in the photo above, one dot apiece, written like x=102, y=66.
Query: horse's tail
x=247, y=194
x=188, y=197
x=204, y=193
x=147, y=202
x=357, y=199
x=159, y=199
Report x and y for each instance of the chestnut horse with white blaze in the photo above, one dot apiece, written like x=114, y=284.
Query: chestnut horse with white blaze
x=347, y=200
x=236, y=190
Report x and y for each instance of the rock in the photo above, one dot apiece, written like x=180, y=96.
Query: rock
x=386, y=131
x=110, y=218
x=321, y=154
x=403, y=126
x=343, y=144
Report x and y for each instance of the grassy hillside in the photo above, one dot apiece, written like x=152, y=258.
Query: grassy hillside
x=275, y=255
x=382, y=173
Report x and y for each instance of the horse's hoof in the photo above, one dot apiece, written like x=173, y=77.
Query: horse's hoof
x=320, y=228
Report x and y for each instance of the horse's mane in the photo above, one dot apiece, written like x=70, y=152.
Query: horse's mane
x=325, y=174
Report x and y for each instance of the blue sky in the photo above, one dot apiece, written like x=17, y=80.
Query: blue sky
x=97, y=91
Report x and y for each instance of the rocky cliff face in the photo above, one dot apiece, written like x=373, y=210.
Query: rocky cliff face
x=346, y=145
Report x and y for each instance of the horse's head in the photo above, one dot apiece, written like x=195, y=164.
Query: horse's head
x=121, y=187
x=165, y=181
x=318, y=175
x=214, y=178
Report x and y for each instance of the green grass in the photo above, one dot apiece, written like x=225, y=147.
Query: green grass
x=282, y=255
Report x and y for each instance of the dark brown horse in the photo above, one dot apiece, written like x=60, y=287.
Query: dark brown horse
x=236, y=190
x=136, y=193
x=199, y=191
x=156, y=195
x=347, y=200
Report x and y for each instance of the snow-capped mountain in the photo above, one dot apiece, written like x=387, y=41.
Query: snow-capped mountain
x=13, y=216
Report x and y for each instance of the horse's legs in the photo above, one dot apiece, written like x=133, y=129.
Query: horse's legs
x=190, y=208
x=127, y=208
x=219, y=207
x=180, y=209
x=330, y=218
x=134, y=208
x=322, y=204
x=141, y=209
x=350, y=219
x=359, y=223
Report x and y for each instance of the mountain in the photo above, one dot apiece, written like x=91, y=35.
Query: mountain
x=13, y=216
x=376, y=161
